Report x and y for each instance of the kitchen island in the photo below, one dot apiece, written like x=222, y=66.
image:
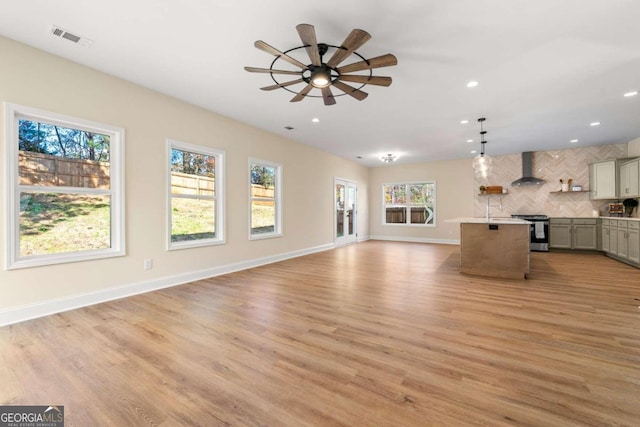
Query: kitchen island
x=498, y=247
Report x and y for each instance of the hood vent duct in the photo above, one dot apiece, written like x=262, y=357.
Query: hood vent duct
x=527, y=172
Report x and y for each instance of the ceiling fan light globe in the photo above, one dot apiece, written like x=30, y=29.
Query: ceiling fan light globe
x=320, y=80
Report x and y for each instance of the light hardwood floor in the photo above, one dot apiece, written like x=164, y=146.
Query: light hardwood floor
x=373, y=334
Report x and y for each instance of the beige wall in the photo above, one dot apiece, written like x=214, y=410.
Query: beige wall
x=454, y=198
x=40, y=80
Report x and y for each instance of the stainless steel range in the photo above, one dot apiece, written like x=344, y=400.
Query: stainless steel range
x=539, y=231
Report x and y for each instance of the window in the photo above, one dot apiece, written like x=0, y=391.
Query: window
x=66, y=188
x=411, y=203
x=265, y=199
x=196, y=202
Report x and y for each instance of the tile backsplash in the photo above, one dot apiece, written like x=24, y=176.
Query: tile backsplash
x=550, y=166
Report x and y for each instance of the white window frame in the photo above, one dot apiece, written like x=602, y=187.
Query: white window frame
x=116, y=191
x=218, y=197
x=277, y=197
x=408, y=204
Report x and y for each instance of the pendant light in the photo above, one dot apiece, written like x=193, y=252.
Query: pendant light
x=482, y=162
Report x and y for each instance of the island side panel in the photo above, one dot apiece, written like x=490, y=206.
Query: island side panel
x=500, y=253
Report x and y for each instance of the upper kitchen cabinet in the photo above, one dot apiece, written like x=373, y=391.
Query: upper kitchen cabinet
x=603, y=179
x=630, y=179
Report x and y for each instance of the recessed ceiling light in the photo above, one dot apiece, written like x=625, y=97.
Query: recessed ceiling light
x=464, y=122
x=473, y=151
x=472, y=83
x=594, y=124
x=469, y=140
x=573, y=141
x=288, y=127
x=630, y=94
x=315, y=120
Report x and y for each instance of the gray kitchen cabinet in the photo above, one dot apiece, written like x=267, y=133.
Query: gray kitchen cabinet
x=629, y=179
x=603, y=180
x=585, y=233
x=633, y=253
x=613, y=238
x=621, y=240
x=573, y=233
x=606, y=236
x=560, y=233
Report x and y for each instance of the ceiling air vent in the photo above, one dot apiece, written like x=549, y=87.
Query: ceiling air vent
x=62, y=33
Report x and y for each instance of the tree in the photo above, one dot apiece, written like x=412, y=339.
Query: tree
x=263, y=175
x=193, y=163
x=62, y=141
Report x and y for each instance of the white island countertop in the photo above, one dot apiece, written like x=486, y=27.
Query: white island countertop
x=483, y=220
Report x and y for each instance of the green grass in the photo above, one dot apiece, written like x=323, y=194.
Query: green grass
x=192, y=219
x=61, y=223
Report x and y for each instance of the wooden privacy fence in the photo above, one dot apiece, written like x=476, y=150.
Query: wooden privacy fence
x=45, y=169
x=194, y=185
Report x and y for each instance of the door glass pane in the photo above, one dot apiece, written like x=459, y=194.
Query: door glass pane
x=340, y=203
x=352, y=206
x=52, y=223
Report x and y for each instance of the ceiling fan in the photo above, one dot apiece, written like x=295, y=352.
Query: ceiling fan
x=321, y=74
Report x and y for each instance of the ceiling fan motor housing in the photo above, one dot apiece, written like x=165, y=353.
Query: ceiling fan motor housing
x=324, y=75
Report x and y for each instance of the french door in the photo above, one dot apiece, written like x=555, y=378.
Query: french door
x=345, y=220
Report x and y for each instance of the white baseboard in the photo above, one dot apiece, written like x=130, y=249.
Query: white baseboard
x=59, y=305
x=417, y=240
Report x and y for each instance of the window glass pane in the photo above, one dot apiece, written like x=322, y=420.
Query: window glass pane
x=192, y=219
x=409, y=203
x=59, y=156
x=192, y=173
x=265, y=177
x=263, y=216
x=395, y=194
x=396, y=215
x=421, y=203
x=61, y=223
x=265, y=199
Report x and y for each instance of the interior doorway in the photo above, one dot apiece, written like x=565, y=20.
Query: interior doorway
x=346, y=212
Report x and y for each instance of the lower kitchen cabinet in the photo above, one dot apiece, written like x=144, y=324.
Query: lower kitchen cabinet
x=621, y=240
x=633, y=241
x=573, y=233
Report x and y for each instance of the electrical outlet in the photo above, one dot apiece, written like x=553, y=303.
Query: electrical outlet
x=148, y=264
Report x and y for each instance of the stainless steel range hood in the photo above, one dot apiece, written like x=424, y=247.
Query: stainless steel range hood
x=527, y=172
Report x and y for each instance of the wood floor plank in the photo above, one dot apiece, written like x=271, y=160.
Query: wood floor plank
x=373, y=334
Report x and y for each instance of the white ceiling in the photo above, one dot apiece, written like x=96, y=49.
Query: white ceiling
x=546, y=68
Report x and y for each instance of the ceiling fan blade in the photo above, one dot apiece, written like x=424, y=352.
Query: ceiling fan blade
x=308, y=36
x=350, y=90
x=275, y=52
x=327, y=96
x=354, y=40
x=377, y=62
x=369, y=80
x=300, y=96
x=280, y=85
x=268, y=70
